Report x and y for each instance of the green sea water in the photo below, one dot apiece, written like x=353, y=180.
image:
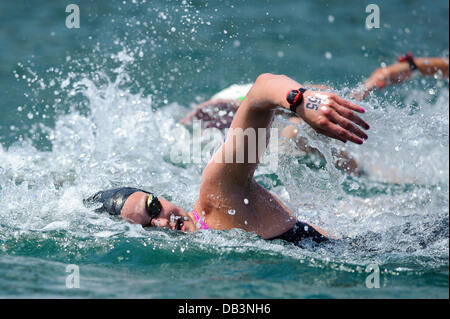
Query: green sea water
x=96, y=107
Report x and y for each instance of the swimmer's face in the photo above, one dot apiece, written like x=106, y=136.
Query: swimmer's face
x=171, y=216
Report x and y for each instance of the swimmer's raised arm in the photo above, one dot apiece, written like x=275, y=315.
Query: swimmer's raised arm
x=401, y=71
x=228, y=183
x=326, y=112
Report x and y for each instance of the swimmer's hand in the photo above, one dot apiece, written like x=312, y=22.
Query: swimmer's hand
x=333, y=116
x=325, y=112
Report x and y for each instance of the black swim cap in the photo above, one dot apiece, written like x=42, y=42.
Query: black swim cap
x=114, y=199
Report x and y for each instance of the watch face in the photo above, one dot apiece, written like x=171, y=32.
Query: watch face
x=291, y=96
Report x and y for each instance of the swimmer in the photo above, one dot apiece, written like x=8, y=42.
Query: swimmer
x=400, y=72
x=218, y=113
x=229, y=195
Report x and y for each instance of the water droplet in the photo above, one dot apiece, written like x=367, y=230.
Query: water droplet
x=354, y=186
x=231, y=211
x=245, y=201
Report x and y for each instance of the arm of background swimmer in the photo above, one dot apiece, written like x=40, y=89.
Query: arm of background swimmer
x=399, y=72
x=431, y=66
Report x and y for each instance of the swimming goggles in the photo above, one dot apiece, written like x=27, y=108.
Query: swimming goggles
x=153, y=206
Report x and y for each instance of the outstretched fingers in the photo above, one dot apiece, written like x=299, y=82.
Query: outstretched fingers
x=348, y=104
x=340, y=132
x=329, y=134
x=345, y=112
x=346, y=124
x=335, y=117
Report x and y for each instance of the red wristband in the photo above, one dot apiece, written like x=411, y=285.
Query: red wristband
x=295, y=98
x=408, y=57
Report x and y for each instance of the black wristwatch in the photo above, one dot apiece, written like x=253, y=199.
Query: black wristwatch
x=295, y=98
x=408, y=57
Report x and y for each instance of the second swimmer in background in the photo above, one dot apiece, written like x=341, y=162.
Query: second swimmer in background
x=401, y=71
